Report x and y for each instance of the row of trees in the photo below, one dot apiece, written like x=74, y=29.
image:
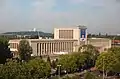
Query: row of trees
x=80, y=60
x=108, y=62
x=33, y=69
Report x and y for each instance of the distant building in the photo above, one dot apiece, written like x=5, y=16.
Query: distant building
x=116, y=43
x=100, y=43
x=65, y=40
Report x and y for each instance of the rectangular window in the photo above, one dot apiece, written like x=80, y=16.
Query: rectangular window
x=66, y=34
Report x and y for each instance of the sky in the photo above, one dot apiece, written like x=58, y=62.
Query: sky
x=45, y=15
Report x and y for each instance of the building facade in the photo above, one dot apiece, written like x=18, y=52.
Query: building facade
x=65, y=40
x=102, y=44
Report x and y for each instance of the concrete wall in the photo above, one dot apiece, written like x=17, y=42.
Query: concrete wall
x=101, y=43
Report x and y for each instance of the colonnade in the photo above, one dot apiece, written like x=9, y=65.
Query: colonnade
x=47, y=48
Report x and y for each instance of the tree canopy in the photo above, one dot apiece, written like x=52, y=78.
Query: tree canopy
x=109, y=61
x=89, y=48
x=68, y=62
x=4, y=50
x=24, y=50
x=90, y=53
x=33, y=69
x=38, y=68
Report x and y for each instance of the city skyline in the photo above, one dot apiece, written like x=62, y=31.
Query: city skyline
x=44, y=15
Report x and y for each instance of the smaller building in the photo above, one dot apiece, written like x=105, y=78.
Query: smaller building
x=115, y=43
x=101, y=44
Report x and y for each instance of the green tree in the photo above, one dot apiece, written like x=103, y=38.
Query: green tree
x=116, y=52
x=38, y=68
x=80, y=60
x=90, y=52
x=34, y=69
x=89, y=75
x=68, y=63
x=54, y=64
x=4, y=50
x=25, y=50
x=89, y=48
x=13, y=70
x=49, y=60
x=106, y=61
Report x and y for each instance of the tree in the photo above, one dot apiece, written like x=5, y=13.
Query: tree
x=116, y=52
x=38, y=68
x=25, y=50
x=48, y=60
x=4, y=50
x=89, y=48
x=54, y=64
x=89, y=75
x=13, y=70
x=90, y=52
x=80, y=60
x=68, y=63
x=107, y=61
x=33, y=69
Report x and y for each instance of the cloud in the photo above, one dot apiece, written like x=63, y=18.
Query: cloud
x=76, y=1
x=100, y=15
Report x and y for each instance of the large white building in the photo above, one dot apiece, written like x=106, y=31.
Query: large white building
x=65, y=40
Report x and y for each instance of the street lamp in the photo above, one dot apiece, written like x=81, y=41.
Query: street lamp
x=59, y=70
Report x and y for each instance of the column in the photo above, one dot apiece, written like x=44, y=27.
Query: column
x=46, y=49
x=60, y=46
x=55, y=47
x=72, y=46
x=69, y=46
x=37, y=49
x=51, y=48
x=64, y=46
x=41, y=48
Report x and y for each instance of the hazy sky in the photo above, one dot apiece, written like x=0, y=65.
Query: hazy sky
x=97, y=15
